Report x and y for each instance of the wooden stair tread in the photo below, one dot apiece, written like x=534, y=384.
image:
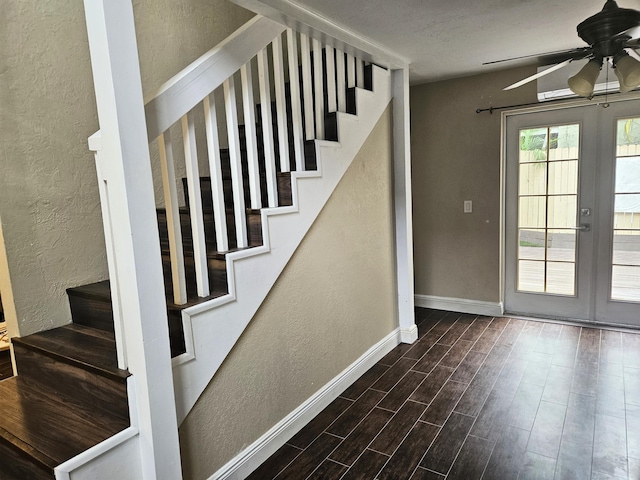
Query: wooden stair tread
x=16, y=466
x=74, y=344
x=32, y=417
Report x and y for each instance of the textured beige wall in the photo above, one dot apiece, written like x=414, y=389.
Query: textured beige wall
x=455, y=156
x=335, y=299
x=49, y=202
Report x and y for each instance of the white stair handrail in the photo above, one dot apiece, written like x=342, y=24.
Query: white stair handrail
x=185, y=90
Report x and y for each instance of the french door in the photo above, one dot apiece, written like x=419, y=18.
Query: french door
x=572, y=213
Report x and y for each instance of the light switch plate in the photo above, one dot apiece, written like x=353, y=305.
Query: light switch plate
x=468, y=206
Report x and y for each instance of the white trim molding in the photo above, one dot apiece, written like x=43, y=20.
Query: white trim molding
x=255, y=454
x=409, y=335
x=462, y=305
x=115, y=457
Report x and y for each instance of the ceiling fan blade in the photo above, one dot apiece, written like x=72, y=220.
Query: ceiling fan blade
x=575, y=54
x=632, y=32
x=538, y=75
x=562, y=54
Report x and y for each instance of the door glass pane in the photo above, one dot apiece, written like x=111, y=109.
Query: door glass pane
x=563, y=178
x=533, y=145
x=561, y=245
x=626, y=247
x=561, y=277
x=531, y=244
x=625, y=265
x=563, y=211
x=563, y=144
x=625, y=283
x=532, y=212
x=533, y=178
x=548, y=209
x=531, y=276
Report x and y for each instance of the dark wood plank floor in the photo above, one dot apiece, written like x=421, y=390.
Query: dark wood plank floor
x=481, y=398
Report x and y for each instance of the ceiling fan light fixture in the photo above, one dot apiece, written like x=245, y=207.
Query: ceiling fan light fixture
x=583, y=82
x=623, y=88
x=627, y=71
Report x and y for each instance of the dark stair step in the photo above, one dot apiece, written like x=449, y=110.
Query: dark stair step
x=38, y=424
x=16, y=465
x=98, y=296
x=88, y=306
x=78, y=362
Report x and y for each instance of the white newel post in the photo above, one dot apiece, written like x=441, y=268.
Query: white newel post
x=402, y=202
x=138, y=286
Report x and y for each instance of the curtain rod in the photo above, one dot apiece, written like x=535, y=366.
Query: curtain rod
x=492, y=109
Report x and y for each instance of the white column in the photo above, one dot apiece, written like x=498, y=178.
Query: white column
x=139, y=282
x=402, y=205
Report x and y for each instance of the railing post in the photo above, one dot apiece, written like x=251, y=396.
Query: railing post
x=138, y=285
x=402, y=205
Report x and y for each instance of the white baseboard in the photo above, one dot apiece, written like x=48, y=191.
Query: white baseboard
x=461, y=305
x=253, y=456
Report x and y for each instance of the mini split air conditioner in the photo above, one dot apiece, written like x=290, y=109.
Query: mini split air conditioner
x=554, y=86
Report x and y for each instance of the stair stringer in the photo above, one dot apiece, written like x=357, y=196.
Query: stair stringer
x=212, y=328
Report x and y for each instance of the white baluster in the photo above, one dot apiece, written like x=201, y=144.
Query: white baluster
x=250, y=135
x=267, y=128
x=195, y=205
x=332, y=104
x=351, y=71
x=172, y=212
x=318, y=83
x=235, y=160
x=281, y=104
x=341, y=82
x=215, y=171
x=307, y=87
x=296, y=108
x=359, y=73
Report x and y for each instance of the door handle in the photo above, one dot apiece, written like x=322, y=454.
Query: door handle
x=583, y=227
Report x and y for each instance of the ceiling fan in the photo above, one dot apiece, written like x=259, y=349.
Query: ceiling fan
x=610, y=36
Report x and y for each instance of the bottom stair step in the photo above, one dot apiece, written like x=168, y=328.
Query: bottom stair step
x=78, y=363
x=14, y=465
x=40, y=427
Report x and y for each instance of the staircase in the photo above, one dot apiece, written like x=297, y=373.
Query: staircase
x=221, y=250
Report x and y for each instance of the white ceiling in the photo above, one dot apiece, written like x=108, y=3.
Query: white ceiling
x=452, y=38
